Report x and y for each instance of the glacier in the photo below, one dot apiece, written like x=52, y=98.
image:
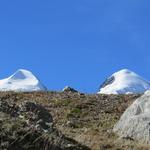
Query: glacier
x=22, y=81
x=124, y=82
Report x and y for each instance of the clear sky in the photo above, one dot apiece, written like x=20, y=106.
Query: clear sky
x=74, y=42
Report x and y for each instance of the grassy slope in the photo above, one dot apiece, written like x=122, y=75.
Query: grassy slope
x=89, y=119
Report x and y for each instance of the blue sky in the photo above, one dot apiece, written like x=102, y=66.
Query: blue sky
x=74, y=42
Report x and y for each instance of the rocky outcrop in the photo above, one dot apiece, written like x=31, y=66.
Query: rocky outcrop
x=69, y=89
x=135, y=122
x=29, y=126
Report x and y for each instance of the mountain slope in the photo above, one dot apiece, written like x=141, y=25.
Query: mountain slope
x=124, y=82
x=21, y=80
x=85, y=118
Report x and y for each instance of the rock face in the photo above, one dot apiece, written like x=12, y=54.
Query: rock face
x=22, y=80
x=124, y=82
x=135, y=122
x=34, y=114
x=29, y=126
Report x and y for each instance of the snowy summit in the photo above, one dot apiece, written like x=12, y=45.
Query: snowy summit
x=124, y=82
x=21, y=80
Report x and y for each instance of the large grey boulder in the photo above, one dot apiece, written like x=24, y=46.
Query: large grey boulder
x=135, y=122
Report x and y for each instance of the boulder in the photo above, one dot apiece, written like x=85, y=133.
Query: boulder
x=135, y=122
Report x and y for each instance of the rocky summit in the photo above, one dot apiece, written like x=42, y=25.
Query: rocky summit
x=69, y=89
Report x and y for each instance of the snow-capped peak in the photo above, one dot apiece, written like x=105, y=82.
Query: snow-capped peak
x=21, y=80
x=22, y=74
x=124, y=82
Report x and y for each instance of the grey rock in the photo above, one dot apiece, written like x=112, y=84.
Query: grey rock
x=69, y=89
x=135, y=122
x=29, y=126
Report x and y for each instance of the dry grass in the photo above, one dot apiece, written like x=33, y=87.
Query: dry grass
x=89, y=119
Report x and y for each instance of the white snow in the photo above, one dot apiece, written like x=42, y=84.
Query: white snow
x=125, y=82
x=22, y=80
x=135, y=121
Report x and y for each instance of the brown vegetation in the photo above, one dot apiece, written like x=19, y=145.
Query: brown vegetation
x=88, y=119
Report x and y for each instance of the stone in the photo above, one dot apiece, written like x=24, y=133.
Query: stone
x=29, y=126
x=135, y=122
x=69, y=89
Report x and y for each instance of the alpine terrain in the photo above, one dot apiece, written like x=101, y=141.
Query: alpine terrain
x=33, y=118
x=21, y=80
x=124, y=82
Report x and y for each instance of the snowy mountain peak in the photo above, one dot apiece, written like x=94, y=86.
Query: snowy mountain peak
x=124, y=82
x=124, y=71
x=22, y=74
x=22, y=80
